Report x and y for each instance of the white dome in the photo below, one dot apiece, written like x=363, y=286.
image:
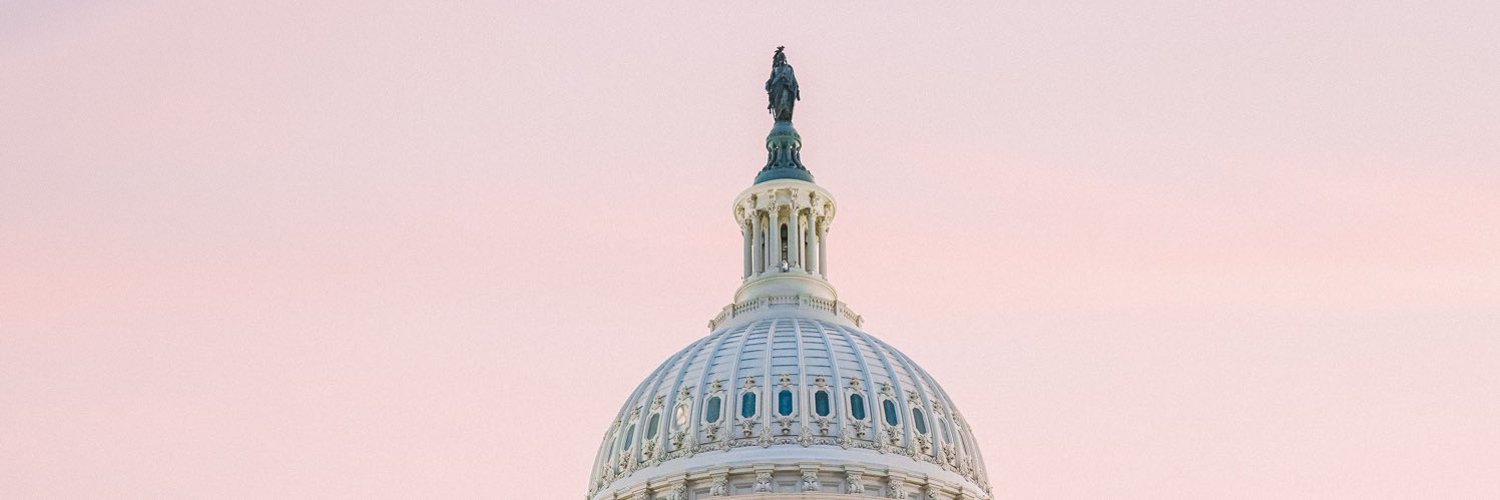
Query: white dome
x=786, y=396
x=798, y=390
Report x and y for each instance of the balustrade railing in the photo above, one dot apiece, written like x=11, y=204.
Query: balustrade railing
x=834, y=307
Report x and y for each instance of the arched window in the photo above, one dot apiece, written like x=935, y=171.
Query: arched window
x=711, y=413
x=681, y=419
x=784, y=402
x=784, y=244
x=857, y=406
x=820, y=403
x=629, y=437
x=918, y=420
x=747, y=405
x=890, y=413
x=652, y=425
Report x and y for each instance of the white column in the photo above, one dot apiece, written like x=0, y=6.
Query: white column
x=814, y=258
x=794, y=239
x=823, y=248
x=773, y=236
x=745, y=235
x=757, y=245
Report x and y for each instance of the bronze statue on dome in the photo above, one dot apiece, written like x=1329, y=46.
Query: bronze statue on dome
x=782, y=87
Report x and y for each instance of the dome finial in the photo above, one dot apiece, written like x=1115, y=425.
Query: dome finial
x=783, y=145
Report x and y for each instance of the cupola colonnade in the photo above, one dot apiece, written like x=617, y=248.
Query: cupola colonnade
x=784, y=229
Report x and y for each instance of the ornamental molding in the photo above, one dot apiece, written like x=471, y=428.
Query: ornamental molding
x=854, y=482
x=720, y=485
x=810, y=481
x=895, y=487
x=763, y=482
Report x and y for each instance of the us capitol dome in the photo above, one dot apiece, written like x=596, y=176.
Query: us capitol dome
x=787, y=396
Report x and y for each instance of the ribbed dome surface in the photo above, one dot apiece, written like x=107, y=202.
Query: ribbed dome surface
x=788, y=389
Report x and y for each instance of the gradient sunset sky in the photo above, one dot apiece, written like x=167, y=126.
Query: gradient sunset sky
x=1180, y=249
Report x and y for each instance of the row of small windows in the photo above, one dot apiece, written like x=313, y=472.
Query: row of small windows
x=784, y=405
x=784, y=401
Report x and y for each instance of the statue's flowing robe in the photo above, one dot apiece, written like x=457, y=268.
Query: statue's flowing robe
x=782, y=88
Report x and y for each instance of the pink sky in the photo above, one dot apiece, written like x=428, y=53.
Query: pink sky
x=400, y=250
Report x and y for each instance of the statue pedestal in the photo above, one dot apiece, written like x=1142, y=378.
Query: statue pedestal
x=783, y=155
